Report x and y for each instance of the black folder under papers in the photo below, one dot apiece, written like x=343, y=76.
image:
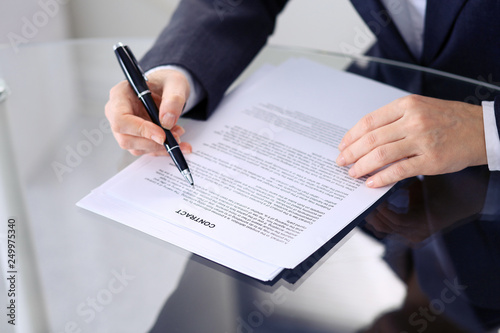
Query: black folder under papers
x=269, y=192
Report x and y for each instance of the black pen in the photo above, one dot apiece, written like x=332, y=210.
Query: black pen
x=137, y=80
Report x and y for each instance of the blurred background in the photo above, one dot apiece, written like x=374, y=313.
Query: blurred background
x=322, y=24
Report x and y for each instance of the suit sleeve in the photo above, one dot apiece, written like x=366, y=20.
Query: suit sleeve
x=214, y=40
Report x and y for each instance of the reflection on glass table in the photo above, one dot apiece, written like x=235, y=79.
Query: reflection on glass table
x=427, y=258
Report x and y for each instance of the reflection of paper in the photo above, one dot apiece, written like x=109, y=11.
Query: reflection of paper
x=267, y=190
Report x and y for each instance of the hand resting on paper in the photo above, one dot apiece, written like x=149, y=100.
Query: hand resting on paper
x=130, y=123
x=419, y=135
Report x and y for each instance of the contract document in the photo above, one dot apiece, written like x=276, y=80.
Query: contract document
x=267, y=191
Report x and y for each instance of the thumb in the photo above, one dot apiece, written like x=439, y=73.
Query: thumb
x=174, y=96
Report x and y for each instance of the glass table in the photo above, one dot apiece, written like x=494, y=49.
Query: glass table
x=425, y=259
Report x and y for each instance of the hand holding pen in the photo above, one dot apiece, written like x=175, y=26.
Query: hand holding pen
x=130, y=121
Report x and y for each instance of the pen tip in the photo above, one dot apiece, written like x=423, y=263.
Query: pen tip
x=188, y=176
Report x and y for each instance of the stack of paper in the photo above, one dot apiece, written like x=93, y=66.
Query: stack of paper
x=267, y=190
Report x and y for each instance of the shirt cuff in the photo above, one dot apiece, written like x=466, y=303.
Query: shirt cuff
x=196, y=92
x=492, y=138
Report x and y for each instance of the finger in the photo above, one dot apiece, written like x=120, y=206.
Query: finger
x=186, y=147
x=381, y=157
x=127, y=115
x=369, y=141
x=119, y=102
x=146, y=146
x=178, y=130
x=395, y=172
x=174, y=97
x=149, y=147
x=380, y=117
x=137, y=152
x=131, y=142
x=139, y=127
x=162, y=152
x=122, y=100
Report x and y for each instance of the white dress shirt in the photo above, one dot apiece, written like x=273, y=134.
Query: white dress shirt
x=409, y=18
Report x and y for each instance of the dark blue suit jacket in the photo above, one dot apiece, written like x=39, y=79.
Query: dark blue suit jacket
x=216, y=39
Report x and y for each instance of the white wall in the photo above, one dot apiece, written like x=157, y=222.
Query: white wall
x=320, y=24
x=120, y=18
x=30, y=21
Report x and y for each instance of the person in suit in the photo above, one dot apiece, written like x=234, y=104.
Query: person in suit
x=434, y=131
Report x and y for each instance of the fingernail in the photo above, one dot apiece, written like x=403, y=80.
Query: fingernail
x=370, y=183
x=352, y=172
x=157, y=139
x=168, y=120
x=341, y=160
x=341, y=146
